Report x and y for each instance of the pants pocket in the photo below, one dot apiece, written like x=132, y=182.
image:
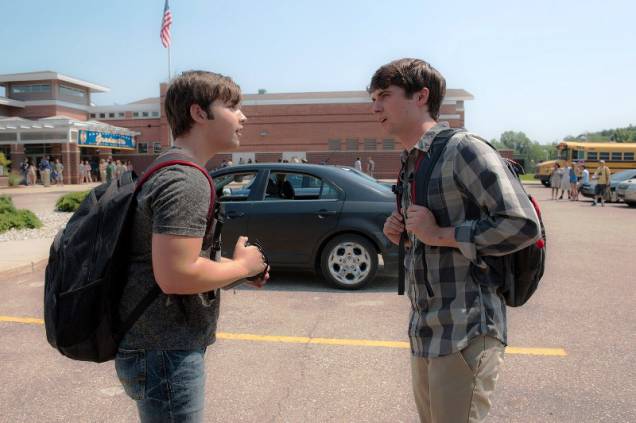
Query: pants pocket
x=131, y=371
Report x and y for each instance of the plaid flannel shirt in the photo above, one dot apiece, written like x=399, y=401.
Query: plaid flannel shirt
x=469, y=173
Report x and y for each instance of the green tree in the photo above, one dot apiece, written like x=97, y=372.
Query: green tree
x=620, y=135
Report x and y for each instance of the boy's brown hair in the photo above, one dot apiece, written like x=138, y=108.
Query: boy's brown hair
x=412, y=75
x=197, y=87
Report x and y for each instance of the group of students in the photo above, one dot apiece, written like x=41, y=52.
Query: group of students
x=457, y=328
x=49, y=172
x=566, y=180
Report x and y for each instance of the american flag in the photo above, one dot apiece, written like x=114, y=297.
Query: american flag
x=165, y=26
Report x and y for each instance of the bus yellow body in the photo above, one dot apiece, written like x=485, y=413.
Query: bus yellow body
x=617, y=156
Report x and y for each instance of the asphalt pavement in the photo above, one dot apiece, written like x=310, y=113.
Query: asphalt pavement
x=300, y=351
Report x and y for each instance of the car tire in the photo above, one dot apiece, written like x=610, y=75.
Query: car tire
x=630, y=203
x=349, y=261
x=613, y=196
x=545, y=183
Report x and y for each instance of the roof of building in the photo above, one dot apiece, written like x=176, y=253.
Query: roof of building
x=324, y=97
x=50, y=75
x=149, y=100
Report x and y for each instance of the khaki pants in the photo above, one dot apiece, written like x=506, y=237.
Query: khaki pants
x=456, y=388
x=46, y=177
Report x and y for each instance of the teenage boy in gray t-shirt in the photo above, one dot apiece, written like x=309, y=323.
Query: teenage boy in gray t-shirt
x=160, y=361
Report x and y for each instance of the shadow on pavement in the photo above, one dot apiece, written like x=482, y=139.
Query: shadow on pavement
x=284, y=280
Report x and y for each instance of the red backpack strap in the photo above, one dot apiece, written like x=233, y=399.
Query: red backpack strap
x=177, y=158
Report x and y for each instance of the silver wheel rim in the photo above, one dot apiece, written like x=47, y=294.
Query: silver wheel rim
x=349, y=263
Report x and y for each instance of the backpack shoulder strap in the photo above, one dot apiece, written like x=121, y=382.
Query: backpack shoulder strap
x=172, y=158
x=435, y=152
x=420, y=180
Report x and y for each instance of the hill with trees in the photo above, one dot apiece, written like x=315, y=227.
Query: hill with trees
x=627, y=134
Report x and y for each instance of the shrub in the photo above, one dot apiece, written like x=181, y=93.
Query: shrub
x=6, y=204
x=11, y=218
x=14, y=179
x=70, y=202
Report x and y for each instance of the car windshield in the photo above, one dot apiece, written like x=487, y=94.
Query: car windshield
x=367, y=178
x=623, y=176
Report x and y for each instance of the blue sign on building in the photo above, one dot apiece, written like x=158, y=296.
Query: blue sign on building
x=104, y=139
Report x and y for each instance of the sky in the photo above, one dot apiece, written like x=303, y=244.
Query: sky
x=547, y=68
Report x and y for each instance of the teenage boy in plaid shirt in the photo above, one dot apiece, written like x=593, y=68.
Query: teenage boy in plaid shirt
x=476, y=211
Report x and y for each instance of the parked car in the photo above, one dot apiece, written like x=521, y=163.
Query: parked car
x=587, y=190
x=311, y=217
x=366, y=176
x=626, y=191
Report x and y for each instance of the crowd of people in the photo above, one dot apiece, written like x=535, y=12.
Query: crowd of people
x=571, y=179
x=51, y=171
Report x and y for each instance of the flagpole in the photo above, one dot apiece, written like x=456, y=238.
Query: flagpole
x=169, y=77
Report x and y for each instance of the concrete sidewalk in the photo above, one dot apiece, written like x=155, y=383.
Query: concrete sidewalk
x=38, y=189
x=23, y=256
x=30, y=255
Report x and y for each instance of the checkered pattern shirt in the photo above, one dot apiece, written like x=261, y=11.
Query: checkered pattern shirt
x=449, y=306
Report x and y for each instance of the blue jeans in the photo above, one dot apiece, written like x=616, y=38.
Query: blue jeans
x=168, y=386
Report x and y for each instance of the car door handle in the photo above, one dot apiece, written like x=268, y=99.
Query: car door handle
x=322, y=213
x=233, y=214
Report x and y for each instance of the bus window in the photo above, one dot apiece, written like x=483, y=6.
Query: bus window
x=628, y=157
x=563, y=154
x=578, y=154
x=603, y=155
x=591, y=155
x=617, y=156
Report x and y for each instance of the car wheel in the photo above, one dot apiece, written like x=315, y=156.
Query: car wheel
x=545, y=183
x=613, y=197
x=349, y=261
x=630, y=203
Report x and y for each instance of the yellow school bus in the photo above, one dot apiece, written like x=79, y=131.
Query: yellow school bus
x=617, y=156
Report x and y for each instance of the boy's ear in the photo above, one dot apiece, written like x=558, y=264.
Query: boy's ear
x=197, y=113
x=421, y=97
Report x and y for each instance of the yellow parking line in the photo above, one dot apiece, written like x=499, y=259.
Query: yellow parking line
x=558, y=352
x=28, y=320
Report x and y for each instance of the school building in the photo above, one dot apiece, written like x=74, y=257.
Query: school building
x=47, y=113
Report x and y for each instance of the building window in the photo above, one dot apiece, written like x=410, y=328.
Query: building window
x=135, y=114
x=102, y=115
x=628, y=157
x=155, y=114
x=156, y=147
x=71, y=91
x=120, y=114
x=36, y=88
x=335, y=145
x=142, y=148
x=144, y=114
x=591, y=155
x=93, y=115
x=388, y=144
x=111, y=115
x=352, y=144
x=370, y=144
x=617, y=157
x=603, y=155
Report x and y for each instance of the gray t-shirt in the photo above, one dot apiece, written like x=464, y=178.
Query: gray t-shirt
x=174, y=201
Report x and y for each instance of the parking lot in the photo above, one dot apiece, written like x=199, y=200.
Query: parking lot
x=300, y=351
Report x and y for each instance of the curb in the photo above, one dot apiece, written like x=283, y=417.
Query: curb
x=34, y=266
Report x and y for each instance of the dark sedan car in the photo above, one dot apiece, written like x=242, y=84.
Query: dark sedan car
x=313, y=217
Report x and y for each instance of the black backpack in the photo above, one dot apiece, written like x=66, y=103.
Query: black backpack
x=517, y=274
x=86, y=272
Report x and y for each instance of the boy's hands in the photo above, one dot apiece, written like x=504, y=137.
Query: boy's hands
x=393, y=227
x=252, y=260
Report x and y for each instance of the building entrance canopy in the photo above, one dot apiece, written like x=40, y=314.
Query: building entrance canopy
x=65, y=130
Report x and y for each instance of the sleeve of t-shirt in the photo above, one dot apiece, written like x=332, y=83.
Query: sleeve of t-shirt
x=180, y=200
